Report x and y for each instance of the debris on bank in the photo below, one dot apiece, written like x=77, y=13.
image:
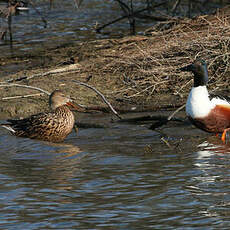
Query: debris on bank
x=137, y=73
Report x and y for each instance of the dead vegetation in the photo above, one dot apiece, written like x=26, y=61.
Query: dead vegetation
x=151, y=66
x=140, y=70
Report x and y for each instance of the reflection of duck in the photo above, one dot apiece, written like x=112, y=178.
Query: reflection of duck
x=211, y=114
x=52, y=126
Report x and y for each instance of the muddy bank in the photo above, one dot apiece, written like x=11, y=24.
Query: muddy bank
x=139, y=73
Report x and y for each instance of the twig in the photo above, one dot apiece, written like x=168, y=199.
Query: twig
x=100, y=94
x=135, y=13
x=23, y=96
x=69, y=68
x=25, y=86
x=175, y=112
x=124, y=7
x=174, y=8
x=78, y=3
x=165, y=120
x=166, y=142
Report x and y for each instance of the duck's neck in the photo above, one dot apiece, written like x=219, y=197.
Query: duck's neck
x=63, y=108
x=201, y=76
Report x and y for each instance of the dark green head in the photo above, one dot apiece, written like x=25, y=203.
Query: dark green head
x=200, y=71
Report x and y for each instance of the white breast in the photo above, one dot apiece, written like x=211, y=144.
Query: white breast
x=199, y=105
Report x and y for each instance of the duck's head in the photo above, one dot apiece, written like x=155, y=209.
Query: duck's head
x=200, y=71
x=58, y=98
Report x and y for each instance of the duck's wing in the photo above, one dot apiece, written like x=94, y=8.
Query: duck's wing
x=220, y=99
x=31, y=126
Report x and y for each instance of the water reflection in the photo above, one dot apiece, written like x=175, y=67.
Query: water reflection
x=211, y=184
x=39, y=162
x=103, y=178
x=67, y=23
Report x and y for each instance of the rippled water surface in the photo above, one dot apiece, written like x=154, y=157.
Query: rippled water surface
x=120, y=177
x=68, y=24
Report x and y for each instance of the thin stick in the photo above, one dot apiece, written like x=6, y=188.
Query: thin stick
x=25, y=86
x=175, y=112
x=23, y=96
x=135, y=13
x=70, y=68
x=165, y=120
x=174, y=8
x=100, y=94
x=166, y=142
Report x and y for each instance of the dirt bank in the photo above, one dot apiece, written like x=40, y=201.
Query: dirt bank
x=139, y=73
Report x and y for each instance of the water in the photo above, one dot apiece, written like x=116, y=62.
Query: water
x=67, y=24
x=120, y=177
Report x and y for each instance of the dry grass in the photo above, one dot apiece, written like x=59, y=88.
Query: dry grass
x=141, y=70
x=147, y=66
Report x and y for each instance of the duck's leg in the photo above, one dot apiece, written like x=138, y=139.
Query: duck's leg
x=223, y=137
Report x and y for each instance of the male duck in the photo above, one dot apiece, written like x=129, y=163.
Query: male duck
x=211, y=114
x=52, y=126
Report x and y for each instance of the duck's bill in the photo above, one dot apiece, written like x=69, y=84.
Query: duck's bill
x=75, y=107
x=188, y=68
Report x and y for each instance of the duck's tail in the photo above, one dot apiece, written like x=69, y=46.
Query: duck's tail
x=8, y=127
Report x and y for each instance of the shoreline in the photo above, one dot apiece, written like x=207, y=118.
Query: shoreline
x=135, y=73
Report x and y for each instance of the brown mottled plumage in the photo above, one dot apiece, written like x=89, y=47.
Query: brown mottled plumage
x=52, y=126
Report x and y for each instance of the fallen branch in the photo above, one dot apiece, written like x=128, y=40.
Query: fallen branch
x=23, y=96
x=175, y=112
x=30, y=95
x=144, y=119
x=100, y=94
x=82, y=125
x=165, y=120
x=166, y=142
x=25, y=86
x=69, y=68
x=160, y=120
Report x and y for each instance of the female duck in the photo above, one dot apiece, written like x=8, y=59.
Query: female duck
x=52, y=126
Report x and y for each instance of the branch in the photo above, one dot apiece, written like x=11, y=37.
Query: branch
x=23, y=96
x=69, y=68
x=165, y=120
x=124, y=7
x=25, y=86
x=100, y=94
x=135, y=13
x=175, y=112
x=174, y=8
x=78, y=3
